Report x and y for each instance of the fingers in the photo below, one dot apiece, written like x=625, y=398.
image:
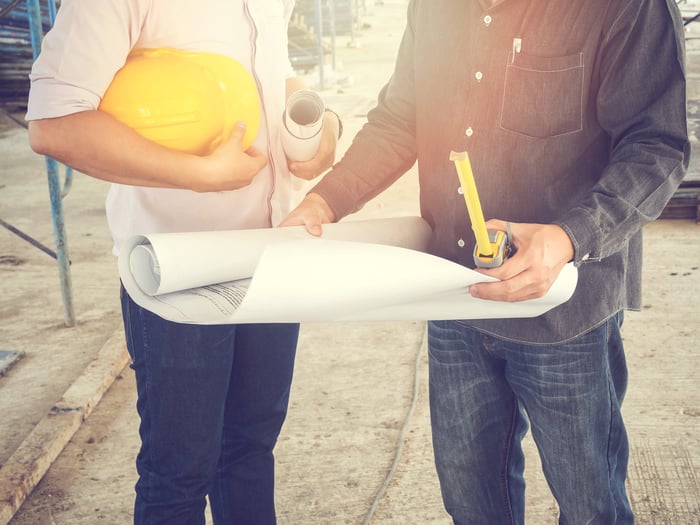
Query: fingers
x=496, y=224
x=313, y=227
x=324, y=158
x=238, y=133
x=311, y=213
x=304, y=216
x=523, y=286
x=527, y=274
x=310, y=169
x=256, y=159
x=311, y=223
x=228, y=167
x=522, y=277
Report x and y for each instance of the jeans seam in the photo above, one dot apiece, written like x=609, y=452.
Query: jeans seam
x=506, y=476
x=612, y=395
x=146, y=355
x=609, y=446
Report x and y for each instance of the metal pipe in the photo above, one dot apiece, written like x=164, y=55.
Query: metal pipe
x=31, y=240
x=331, y=10
x=319, y=41
x=59, y=230
x=55, y=191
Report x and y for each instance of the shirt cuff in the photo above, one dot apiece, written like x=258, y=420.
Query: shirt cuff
x=584, y=234
x=51, y=99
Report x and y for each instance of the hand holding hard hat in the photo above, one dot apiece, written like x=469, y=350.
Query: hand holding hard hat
x=184, y=100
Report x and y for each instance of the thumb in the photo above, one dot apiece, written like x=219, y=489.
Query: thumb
x=238, y=132
x=496, y=224
x=314, y=228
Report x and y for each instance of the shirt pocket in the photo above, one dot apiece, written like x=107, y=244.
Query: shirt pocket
x=543, y=96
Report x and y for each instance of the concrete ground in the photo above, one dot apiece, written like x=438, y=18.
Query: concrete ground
x=356, y=446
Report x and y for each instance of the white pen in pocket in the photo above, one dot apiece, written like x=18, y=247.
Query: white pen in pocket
x=517, y=47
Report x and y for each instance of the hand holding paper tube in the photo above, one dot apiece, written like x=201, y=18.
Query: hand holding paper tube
x=303, y=123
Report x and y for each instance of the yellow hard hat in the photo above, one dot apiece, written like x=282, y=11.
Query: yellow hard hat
x=184, y=100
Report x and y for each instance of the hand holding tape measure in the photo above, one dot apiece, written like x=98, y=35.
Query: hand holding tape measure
x=493, y=247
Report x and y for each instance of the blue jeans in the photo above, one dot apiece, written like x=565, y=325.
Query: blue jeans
x=484, y=392
x=212, y=400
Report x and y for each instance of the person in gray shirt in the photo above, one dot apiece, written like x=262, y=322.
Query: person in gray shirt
x=573, y=115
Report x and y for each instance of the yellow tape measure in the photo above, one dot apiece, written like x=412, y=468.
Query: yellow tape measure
x=492, y=246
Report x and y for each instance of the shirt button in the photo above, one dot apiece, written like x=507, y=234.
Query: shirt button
x=460, y=190
x=488, y=19
x=469, y=132
x=478, y=75
x=461, y=243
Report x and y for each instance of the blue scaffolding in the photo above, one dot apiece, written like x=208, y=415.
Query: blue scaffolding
x=22, y=25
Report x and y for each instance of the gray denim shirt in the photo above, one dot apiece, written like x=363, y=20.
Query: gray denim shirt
x=572, y=112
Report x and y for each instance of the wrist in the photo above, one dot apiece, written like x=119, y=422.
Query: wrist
x=322, y=208
x=563, y=243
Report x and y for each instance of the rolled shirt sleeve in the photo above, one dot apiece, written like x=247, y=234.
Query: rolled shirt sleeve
x=79, y=58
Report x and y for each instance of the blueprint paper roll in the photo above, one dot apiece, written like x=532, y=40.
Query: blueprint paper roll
x=303, y=123
x=351, y=273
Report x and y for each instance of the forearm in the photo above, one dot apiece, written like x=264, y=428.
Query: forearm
x=294, y=84
x=379, y=155
x=94, y=143
x=641, y=107
x=383, y=150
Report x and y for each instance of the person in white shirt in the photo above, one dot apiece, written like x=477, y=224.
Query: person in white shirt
x=212, y=399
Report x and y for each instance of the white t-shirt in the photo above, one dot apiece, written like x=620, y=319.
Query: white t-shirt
x=89, y=43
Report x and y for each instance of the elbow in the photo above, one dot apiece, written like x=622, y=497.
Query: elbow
x=38, y=137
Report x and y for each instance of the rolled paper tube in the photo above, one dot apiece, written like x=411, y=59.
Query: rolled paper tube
x=303, y=123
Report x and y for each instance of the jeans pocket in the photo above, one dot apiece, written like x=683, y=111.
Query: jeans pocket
x=447, y=344
x=543, y=96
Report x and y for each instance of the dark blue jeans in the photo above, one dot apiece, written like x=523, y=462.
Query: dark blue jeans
x=483, y=393
x=212, y=401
